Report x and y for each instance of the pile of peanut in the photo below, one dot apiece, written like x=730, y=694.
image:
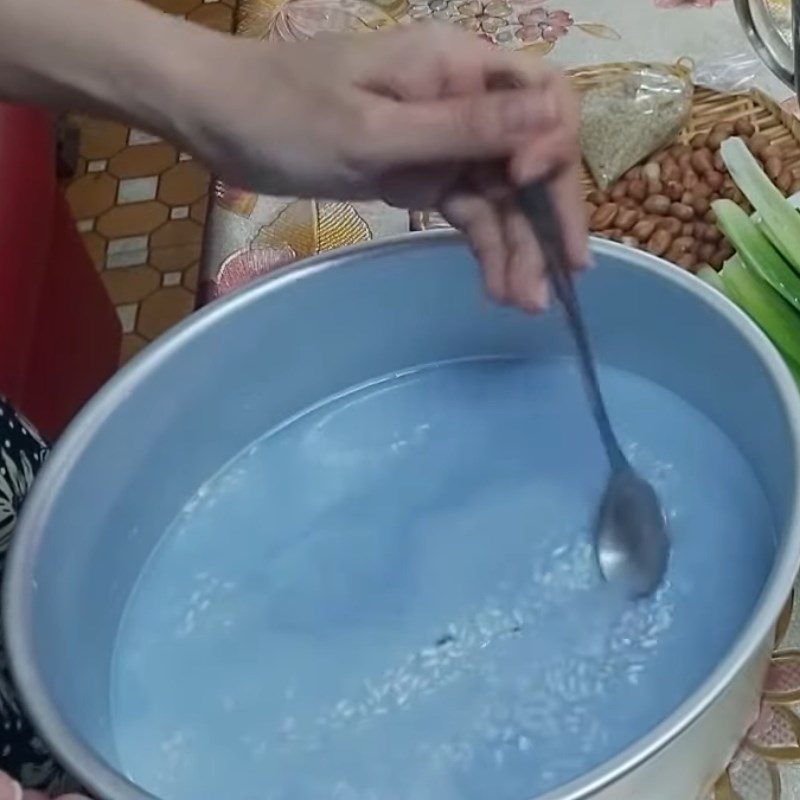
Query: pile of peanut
x=663, y=206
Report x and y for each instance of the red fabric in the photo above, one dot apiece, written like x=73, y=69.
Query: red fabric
x=59, y=334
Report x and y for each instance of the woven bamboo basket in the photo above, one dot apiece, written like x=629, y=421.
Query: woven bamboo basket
x=708, y=109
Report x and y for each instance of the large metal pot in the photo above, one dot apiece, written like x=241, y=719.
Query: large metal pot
x=222, y=378
x=772, y=28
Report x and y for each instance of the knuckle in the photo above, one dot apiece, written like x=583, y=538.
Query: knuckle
x=368, y=122
x=479, y=122
x=441, y=34
x=439, y=44
x=361, y=130
x=427, y=35
x=532, y=71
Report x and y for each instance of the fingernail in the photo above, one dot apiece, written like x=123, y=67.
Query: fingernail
x=544, y=296
x=537, y=299
x=494, y=292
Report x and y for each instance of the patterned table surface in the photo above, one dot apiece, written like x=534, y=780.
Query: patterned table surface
x=250, y=235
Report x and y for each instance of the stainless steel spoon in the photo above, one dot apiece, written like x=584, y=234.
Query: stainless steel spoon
x=631, y=538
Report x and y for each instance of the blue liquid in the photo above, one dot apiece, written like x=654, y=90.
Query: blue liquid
x=393, y=596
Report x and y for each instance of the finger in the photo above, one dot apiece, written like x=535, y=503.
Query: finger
x=443, y=54
x=426, y=186
x=527, y=282
x=31, y=794
x=490, y=181
x=474, y=208
x=542, y=156
x=9, y=788
x=444, y=69
x=456, y=83
x=559, y=147
x=424, y=90
x=475, y=127
x=567, y=194
x=557, y=157
x=480, y=221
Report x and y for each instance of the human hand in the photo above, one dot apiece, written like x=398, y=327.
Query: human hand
x=425, y=116
x=11, y=790
x=421, y=116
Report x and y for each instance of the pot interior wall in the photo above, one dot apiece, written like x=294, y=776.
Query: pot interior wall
x=243, y=366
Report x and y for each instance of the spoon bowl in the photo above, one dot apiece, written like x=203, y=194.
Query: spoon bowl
x=631, y=538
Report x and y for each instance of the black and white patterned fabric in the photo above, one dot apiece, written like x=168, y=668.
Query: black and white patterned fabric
x=23, y=755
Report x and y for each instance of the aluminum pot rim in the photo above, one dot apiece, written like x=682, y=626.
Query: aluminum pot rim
x=765, y=50
x=104, y=781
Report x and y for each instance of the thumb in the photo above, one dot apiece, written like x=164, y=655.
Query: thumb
x=72, y=797
x=9, y=788
x=474, y=127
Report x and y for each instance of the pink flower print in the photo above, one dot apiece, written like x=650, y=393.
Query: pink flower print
x=242, y=267
x=539, y=24
x=676, y=3
x=484, y=18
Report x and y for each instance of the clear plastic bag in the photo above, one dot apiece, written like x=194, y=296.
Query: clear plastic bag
x=628, y=115
x=731, y=74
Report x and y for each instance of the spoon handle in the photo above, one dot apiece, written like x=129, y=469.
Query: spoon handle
x=534, y=199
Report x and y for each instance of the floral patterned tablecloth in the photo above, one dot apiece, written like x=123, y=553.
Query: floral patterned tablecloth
x=248, y=235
